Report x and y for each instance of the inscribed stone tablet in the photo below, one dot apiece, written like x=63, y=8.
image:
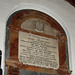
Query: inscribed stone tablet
x=38, y=50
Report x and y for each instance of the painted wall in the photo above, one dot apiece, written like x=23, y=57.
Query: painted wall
x=60, y=10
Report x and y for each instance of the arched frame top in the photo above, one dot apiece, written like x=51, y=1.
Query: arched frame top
x=24, y=15
x=20, y=17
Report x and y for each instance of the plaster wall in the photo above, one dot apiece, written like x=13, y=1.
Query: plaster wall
x=60, y=10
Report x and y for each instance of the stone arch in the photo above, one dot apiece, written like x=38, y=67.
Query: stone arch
x=16, y=20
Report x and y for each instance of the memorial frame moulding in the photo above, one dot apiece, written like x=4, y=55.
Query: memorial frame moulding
x=13, y=63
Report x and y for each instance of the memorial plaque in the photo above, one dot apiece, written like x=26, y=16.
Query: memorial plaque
x=37, y=50
x=35, y=42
